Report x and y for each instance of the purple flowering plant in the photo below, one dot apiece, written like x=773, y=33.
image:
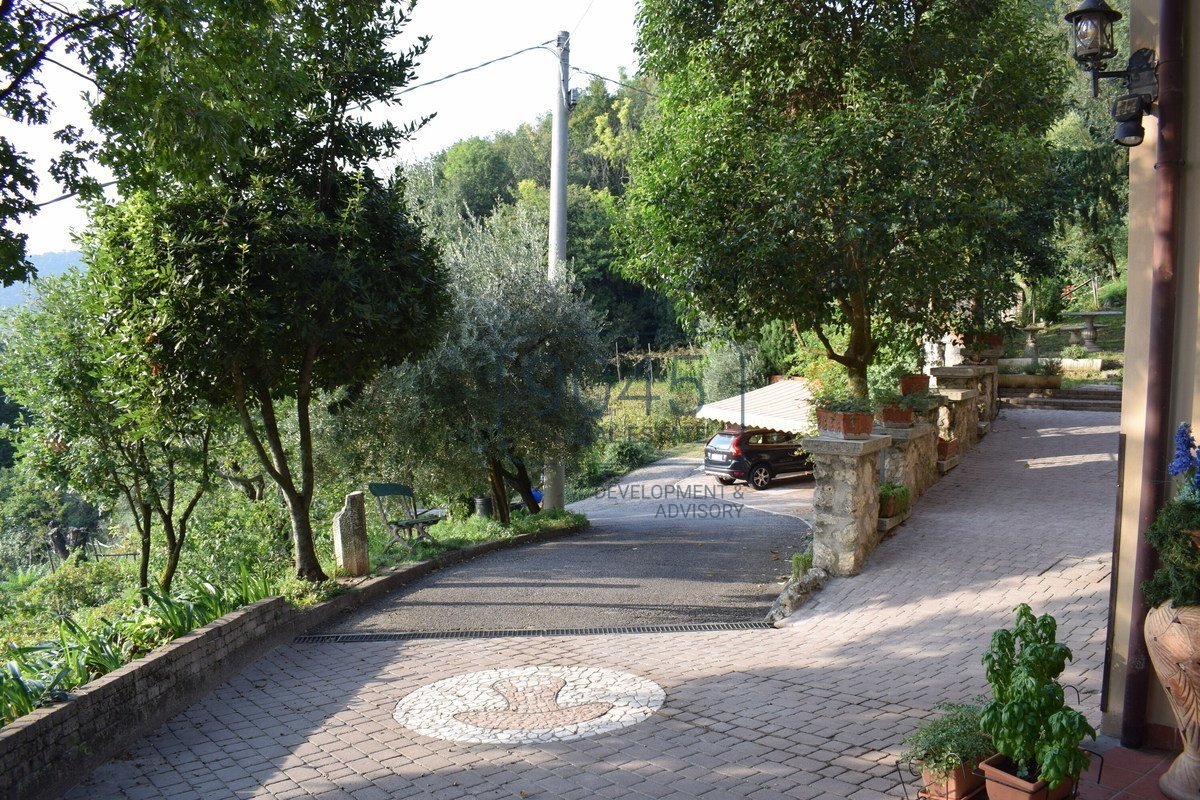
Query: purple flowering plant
x=1185, y=461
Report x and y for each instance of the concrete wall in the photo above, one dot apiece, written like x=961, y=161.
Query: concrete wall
x=1144, y=33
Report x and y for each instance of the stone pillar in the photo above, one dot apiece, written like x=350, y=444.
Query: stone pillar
x=845, y=501
x=981, y=378
x=911, y=459
x=350, y=549
x=961, y=417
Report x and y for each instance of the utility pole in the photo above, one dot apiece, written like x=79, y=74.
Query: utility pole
x=554, y=487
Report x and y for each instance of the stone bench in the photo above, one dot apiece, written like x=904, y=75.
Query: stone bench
x=1073, y=332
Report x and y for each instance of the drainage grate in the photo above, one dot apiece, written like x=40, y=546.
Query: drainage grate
x=351, y=638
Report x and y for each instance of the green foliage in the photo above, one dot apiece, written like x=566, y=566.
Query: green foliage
x=921, y=401
x=509, y=379
x=731, y=369
x=477, y=174
x=291, y=271
x=1027, y=717
x=1074, y=351
x=843, y=401
x=1177, y=578
x=1046, y=367
x=80, y=584
x=1112, y=295
x=953, y=740
x=604, y=462
x=41, y=673
x=779, y=180
x=888, y=491
x=777, y=347
x=886, y=396
x=801, y=563
x=230, y=531
x=102, y=425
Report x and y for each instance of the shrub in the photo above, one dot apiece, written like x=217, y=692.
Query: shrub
x=1112, y=295
x=884, y=397
x=953, y=740
x=1074, y=351
x=80, y=584
x=888, y=491
x=842, y=401
x=801, y=563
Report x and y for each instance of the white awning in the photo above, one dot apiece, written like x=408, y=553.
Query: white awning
x=784, y=406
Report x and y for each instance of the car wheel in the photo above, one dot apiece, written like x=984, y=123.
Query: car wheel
x=724, y=481
x=759, y=476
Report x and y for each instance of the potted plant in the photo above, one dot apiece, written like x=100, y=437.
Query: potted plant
x=947, y=750
x=1036, y=734
x=910, y=384
x=1173, y=626
x=843, y=416
x=892, y=413
x=1038, y=375
x=894, y=499
x=947, y=447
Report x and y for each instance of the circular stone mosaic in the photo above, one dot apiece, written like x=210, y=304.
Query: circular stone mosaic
x=529, y=704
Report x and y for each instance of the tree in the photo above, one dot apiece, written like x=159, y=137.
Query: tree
x=156, y=99
x=506, y=381
x=477, y=174
x=98, y=427
x=842, y=166
x=293, y=268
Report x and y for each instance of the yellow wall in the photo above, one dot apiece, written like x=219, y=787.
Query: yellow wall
x=1144, y=33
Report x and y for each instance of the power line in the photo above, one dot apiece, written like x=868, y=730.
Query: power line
x=581, y=16
x=618, y=83
x=477, y=66
x=69, y=195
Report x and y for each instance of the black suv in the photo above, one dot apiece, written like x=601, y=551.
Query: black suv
x=755, y=455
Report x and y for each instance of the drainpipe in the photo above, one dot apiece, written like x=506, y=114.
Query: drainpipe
x=1156, y=452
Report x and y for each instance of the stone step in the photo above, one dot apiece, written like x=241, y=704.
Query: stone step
x=1063, y=403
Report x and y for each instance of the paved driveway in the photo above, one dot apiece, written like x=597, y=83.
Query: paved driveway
x=667, y=545
x=816, y=709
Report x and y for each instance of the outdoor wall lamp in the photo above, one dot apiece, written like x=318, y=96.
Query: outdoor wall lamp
x=1092, y=46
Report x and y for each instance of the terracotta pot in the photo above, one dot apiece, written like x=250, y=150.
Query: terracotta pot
x=845, y=424
x=895, y=417
x=1173, y=639
x=890, y=507
x=958, y=785
x=1003, y=783
x=911, y=384
x=946, y=448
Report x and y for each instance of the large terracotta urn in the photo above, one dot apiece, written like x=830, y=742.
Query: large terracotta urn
x=1173, y=639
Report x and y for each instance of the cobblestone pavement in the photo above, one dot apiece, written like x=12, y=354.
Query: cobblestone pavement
x=816, y=709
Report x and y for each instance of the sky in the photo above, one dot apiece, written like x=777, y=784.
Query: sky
x=464, y=33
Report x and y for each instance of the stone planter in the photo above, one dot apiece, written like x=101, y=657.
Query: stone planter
x=1003, y=784
x=946, y=448
x=890, y=507
x=1173, y=639
x=958, y=785
x=911, y=384
x=1036, y=383
x=896, y=417
x=845, y=424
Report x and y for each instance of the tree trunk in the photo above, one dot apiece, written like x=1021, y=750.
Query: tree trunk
x=308, y=567
x=521, y=481
x=174, y=548
x=499, y=493
x=856, y=375
x=143, y=519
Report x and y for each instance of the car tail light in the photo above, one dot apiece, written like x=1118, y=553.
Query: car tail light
x=735, y=447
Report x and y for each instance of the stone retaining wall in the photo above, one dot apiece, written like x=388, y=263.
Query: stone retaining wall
x=45, y=753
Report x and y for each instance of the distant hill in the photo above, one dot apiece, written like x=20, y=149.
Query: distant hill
x=46, y=264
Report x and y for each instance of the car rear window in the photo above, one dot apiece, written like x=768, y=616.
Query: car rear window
x=721, y=441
